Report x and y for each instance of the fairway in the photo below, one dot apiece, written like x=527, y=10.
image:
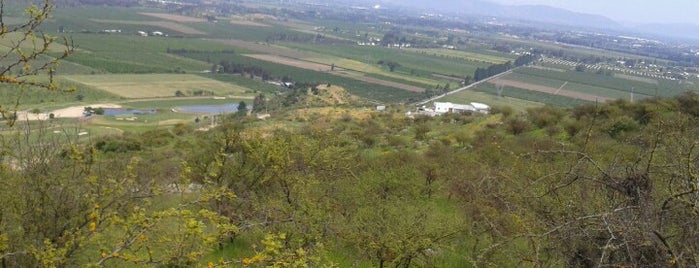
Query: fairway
x=137, y=86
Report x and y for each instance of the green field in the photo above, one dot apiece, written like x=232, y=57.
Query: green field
x=529, y=95
x=137, y=86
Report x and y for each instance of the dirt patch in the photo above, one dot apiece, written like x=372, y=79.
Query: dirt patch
x=170, y=25
x=70, y=112
x=172, y=17
x=549, y=90
x=292, y=62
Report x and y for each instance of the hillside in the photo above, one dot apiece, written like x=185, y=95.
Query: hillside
x=373, y=188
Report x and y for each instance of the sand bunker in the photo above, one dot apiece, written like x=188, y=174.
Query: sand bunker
x=70, y=112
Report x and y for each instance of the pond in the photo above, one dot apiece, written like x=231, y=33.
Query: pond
x=120, y=111
x=210, y=109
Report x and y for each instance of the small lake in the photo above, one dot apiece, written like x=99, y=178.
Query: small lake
x=209, y=109
x=119, y=111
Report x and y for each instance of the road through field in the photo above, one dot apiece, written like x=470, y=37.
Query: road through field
x=464, y=88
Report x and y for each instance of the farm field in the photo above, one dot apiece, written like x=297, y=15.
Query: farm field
x=548, y=90
x=376, y=92
x=491, y=57
x=419, y=63
x=137, y=86
x=529, y=95
x=583, y=86
x=326, y=68
x=322, y=62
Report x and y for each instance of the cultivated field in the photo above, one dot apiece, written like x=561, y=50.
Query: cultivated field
x=471, y=56
x=548, y=90
x=292, y=62
x=137, y=86
x=326, y=68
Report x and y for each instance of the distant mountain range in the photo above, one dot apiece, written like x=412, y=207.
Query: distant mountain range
x=546, y=15
x=681, y=31
x=534, y=13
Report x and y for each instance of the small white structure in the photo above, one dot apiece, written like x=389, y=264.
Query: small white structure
x=381, y=107
x=142, y=33
x=157, y=33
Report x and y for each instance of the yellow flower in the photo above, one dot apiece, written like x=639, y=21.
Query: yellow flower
x=246, y=261
x=93, y=226
x=210, y=265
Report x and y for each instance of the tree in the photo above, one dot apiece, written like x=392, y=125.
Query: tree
x=580, y=68
x=242, y=108
x=259, y=103
x=392, y=65
x=467, y=80
x=29, y=44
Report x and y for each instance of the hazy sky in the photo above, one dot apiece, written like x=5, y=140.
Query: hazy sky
x=663, y=11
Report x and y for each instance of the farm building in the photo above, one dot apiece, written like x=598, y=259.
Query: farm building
x=448, y=107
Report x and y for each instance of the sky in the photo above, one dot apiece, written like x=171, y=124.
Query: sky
x=637, y=11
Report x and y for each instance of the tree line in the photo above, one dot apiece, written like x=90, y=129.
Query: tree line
x=495, y=69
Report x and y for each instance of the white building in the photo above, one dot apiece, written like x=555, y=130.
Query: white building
x=448, y=107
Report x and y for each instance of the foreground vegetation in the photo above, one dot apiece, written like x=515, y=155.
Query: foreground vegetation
x=363, y=188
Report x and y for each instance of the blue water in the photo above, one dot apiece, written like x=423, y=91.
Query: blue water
x=210, y=109
x=118, y=111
